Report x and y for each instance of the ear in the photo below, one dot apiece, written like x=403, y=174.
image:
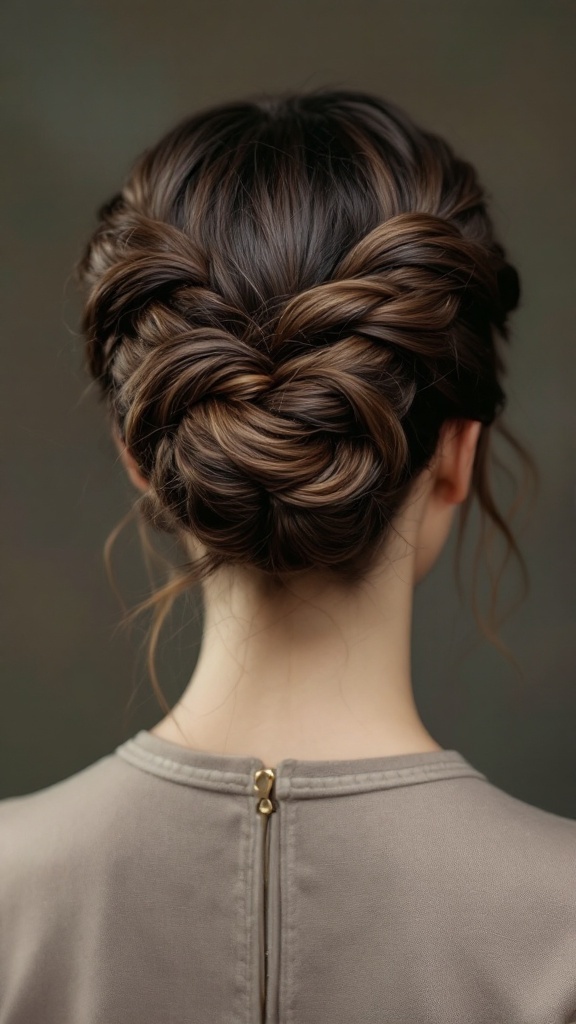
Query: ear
x=455, y=459
x=129, y=462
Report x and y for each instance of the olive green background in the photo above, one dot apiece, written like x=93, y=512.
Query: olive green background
x=86, y=86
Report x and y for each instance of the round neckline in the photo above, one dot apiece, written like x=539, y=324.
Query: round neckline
x=235, y=772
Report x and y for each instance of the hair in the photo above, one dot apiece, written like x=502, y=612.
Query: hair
x=285, y=301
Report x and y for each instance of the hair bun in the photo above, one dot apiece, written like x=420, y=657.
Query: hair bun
x=255, y=458
x=282, y=313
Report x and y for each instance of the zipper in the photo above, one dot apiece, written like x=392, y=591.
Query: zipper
x=264, y=779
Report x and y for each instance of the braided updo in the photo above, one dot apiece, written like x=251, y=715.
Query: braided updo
x=285, y=302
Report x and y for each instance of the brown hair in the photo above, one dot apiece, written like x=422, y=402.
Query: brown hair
x=285, y=301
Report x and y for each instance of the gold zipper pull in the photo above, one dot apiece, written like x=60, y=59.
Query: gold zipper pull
x=264, y=779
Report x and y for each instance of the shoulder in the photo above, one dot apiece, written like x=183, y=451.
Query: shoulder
x=485, y=883
x=491, y=833
x=44, y=834
x=59, y=847
x=502, y=870
x=63, y=856
x=506, y=825
x=507, y=865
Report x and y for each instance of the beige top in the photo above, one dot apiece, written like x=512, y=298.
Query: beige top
x=149, y=887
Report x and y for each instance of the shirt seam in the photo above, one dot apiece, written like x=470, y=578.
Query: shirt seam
x=413, y=776
x=165, y=767
x=221, y=779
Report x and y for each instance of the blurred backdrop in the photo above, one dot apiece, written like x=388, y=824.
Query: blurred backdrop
x=86, y=86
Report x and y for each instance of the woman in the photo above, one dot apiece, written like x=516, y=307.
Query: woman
x=295, y=311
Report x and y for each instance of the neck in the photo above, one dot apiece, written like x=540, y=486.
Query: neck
x=318, y=673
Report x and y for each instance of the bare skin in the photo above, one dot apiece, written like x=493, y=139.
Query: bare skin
x=321, y=673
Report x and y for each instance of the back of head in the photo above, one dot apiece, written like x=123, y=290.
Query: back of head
x=285, y=302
